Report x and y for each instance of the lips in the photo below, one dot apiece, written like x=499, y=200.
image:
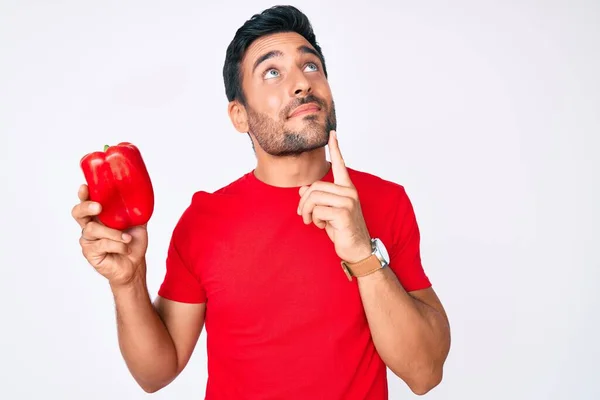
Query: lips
x=305, y=109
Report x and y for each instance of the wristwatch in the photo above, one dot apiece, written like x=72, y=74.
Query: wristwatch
x=378, y=259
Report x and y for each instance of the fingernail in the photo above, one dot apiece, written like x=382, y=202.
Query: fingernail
x=126, y=236
x=94, y=207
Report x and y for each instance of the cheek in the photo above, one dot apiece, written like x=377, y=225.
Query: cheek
x=274, y=103
x=326, y=93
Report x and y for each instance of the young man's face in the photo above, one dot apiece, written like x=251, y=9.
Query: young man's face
x=280, y=73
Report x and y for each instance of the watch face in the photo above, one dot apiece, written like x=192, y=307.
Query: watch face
x=380, y=246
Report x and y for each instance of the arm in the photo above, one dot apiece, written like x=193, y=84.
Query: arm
x=156, y=340
x=410, y=330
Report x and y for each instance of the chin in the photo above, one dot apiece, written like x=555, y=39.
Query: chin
x=296, y=143
x=315, y=136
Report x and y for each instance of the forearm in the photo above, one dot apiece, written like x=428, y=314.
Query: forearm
x=411, y=337
x=144, y=341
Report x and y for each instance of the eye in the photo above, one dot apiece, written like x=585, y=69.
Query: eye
x=271, y=73
x=312, y=66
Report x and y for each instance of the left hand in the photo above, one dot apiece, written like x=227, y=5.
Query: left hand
x=335, y=207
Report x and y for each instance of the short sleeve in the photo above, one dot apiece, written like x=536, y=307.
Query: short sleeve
x=180, y=283
x=405, y=252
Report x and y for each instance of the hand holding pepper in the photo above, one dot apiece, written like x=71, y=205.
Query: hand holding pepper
x=114, y=208
x=117, y=255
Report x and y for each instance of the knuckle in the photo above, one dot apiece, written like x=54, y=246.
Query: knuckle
x=90, y=228
x=85, y=249
x=318, y=185
x=96, y=230
x=76, y=211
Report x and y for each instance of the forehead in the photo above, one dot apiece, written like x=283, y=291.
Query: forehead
x=286, y=42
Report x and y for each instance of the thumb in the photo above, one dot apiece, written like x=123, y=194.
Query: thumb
x=137, y=231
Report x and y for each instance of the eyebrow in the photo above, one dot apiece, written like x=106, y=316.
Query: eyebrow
x=308, y=50
x=278, y=53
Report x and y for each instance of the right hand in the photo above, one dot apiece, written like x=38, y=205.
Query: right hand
x=117, y=255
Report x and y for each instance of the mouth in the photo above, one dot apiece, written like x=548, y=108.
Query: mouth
x=305, y=109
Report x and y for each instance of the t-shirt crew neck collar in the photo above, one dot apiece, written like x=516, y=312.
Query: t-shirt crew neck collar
x=257, y=184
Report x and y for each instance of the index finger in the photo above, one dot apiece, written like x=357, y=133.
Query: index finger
x=340, y=173
x=86, y=209
x=83, y=193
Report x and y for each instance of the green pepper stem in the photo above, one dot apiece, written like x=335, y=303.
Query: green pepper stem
x=106, y=147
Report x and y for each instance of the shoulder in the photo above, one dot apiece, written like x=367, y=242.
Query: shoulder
x=205, y=198
x=382, y=200
x=205, y=203
x=369, y=184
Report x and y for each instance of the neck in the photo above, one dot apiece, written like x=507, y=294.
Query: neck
x=292, y=171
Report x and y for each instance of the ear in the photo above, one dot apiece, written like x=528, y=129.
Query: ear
x=238, y=116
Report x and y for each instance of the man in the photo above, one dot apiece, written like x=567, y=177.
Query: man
x=306, y=274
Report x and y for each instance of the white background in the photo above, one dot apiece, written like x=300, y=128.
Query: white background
x=487, y=112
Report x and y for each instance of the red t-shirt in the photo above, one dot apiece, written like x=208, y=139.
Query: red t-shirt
x=282, y=319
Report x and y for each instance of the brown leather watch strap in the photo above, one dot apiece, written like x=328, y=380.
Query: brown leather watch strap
x=362, y=268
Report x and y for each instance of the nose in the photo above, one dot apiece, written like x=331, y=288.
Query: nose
x=300, y=84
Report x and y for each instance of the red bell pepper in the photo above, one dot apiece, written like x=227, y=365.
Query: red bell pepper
x=117, y=178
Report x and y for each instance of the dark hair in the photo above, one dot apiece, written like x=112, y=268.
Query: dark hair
x=276, y=19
